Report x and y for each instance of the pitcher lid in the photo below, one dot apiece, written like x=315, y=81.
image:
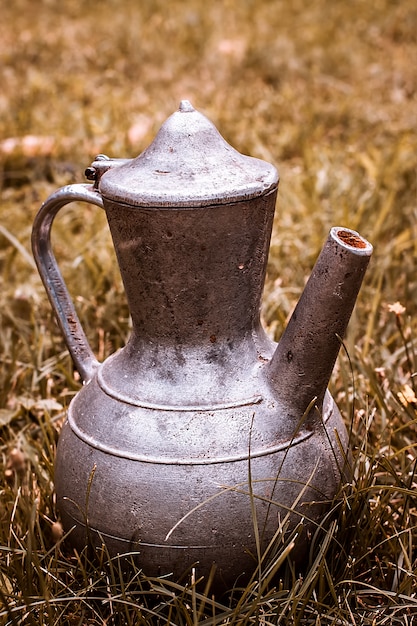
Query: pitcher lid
x=188, y=164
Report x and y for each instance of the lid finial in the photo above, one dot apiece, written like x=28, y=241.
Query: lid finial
x=186, y=106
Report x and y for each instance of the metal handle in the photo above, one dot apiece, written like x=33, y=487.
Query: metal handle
x=62, y=304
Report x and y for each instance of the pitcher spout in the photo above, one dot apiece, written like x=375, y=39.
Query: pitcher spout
x=302, y=364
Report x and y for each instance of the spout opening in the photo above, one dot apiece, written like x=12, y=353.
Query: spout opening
x=351, y=240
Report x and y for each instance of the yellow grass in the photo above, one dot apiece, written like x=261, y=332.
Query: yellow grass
x=325, y=90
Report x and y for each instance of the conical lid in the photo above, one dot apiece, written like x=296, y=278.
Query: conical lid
x=188, y=164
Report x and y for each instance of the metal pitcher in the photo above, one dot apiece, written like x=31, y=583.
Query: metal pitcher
x=201, y=440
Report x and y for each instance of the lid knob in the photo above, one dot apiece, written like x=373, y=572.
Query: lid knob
x=186, y=106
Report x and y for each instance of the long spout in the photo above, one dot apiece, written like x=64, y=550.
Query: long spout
x=303, y=362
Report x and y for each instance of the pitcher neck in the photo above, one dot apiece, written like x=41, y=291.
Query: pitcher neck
x=193, y=276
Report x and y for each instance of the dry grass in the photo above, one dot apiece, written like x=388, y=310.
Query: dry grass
x=327, y=92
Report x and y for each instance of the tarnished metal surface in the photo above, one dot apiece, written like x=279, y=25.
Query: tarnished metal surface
x=307, y=352
x=82, y=355
x=198, y=421
x=188, y=164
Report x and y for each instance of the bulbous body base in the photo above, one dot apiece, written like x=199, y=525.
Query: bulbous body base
x=181, y=487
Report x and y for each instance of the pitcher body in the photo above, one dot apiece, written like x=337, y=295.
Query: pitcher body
x=200, y=443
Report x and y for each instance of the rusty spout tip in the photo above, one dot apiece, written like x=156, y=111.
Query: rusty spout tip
x=186, y=107
x=351, y=240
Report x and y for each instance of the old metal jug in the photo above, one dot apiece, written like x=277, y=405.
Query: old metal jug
x=200, y=440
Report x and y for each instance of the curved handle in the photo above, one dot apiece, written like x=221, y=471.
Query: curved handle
x=80, y=350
